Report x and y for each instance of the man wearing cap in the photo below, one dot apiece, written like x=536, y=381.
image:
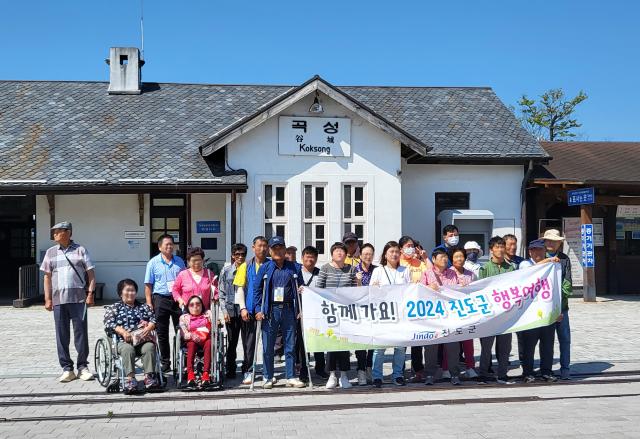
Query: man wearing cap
x=69, y=285
x=553, y=242
x=276, y=304
x=545, y=334
x=474, y=252
x=350, y=239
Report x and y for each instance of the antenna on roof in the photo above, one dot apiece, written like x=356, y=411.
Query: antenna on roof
x=142, y=28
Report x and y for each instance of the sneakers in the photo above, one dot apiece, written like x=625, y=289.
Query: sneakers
x=246, y=379
x=529, y=379
x=428, y=381
x=191, y=379
x=565, y=375
x=471, y=373
x=274, y=380
x=295, y=382
x=332, y=382
x=369, y=375
x=446, y=375
x=205, y=377
x=344, y=381
x=267, y=384
x=362, y=378
x=418, y=378
x=455, y=381
x=550, y=378
x=130, y=386
x=150, y=381
x=377, y=383
x=85, y=375
x=504, y=380
x=399, y=381
x=67, y=376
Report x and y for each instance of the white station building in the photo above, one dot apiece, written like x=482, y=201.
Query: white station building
x=126, y=161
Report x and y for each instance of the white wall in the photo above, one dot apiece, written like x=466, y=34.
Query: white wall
x=210, y=207
x=495, y=188
x=375, y=160
x=99, y=223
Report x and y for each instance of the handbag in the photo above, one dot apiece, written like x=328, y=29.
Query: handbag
x=138, y=337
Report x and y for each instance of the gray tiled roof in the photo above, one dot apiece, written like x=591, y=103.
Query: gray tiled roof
x=74, y=130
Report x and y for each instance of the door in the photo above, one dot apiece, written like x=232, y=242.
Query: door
x=169, y=215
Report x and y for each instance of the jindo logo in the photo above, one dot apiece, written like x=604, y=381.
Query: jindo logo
x=424, y=335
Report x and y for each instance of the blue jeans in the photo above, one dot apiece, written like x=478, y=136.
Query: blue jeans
x=397, y=365
x=564, y=338
x=282, y=317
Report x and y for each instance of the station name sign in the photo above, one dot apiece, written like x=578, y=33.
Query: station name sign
x=314, y=136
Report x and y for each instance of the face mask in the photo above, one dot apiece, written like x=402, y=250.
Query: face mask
x=409, y=251
x=453, y=240
x=472, y=257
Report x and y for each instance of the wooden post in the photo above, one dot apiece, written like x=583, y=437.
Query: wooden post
x=232, y=238
x=589, y=276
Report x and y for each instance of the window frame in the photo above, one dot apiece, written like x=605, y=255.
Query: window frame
x=275, y=221
x=353, y=221
x=315, y=220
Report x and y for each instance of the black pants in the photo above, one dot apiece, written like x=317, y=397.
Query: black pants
x=365, y=359
x=416, y=358
x=248, y=334
x=233, y=334
x=63, y=316
x=167, y=311
x=546, y=335
x=339, y=361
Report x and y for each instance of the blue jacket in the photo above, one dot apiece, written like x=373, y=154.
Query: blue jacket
x=267, y=270
x=252, y=279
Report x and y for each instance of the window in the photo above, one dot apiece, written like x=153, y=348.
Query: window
x=353, y=210
x=314, y=220
x=446, y=201
x=275, y=210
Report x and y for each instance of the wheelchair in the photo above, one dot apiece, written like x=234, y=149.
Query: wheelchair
x=109, y=366
x=218, y=342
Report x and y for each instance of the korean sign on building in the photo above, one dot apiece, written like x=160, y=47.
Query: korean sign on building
x=314, y=136
x=588, y=253
x=581, y=196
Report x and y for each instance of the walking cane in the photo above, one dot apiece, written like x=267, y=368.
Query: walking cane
x=214, y=328
x=304, y=348
x=258, y=333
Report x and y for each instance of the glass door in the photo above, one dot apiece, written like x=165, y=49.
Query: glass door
x=168, y=215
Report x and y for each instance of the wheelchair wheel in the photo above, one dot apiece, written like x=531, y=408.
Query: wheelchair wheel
x=103, y=356
x=177, y=359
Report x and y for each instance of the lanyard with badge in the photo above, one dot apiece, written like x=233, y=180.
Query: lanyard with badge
x=388, y=278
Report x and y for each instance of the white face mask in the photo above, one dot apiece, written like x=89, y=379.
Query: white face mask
x=409, y=251
x=453, y=240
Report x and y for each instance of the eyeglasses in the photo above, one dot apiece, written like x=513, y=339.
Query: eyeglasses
x=194, y=304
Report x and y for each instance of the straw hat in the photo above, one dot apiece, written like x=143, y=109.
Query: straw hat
x=552, y=235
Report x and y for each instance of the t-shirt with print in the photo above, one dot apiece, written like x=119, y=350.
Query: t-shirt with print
x=416, y=268
x=68, y=285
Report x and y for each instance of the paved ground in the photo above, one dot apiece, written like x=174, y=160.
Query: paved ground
x=603, y=399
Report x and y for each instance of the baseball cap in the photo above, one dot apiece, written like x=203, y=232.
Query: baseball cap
x=275, y=241
x=349, y=236
x=537, y=243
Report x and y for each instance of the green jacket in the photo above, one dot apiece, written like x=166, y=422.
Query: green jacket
x=490, y=269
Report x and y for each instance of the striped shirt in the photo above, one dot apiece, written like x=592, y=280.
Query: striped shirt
x=332, y=277
x=67, y=285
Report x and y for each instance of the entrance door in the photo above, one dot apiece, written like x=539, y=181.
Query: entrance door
x=169, y=215
x=17, y=239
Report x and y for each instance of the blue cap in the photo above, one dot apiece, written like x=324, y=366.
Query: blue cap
x=537, y=243
x=276, y=240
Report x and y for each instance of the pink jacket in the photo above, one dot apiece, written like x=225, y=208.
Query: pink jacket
x=185, y=286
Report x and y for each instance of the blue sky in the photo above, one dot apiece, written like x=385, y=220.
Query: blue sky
x=513, y=46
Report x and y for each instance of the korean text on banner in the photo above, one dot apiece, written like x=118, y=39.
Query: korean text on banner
x=342, y=319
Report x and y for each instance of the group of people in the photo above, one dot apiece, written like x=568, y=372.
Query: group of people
x=264, y=292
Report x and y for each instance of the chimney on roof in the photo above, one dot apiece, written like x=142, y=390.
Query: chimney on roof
x=125, y=68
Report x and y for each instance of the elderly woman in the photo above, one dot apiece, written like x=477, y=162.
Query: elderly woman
x=195, y=281
x=132, y=322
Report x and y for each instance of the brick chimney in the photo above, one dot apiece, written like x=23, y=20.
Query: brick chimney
x=125, y=68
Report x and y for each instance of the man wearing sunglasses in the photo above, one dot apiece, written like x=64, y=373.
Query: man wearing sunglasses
x=230, y=309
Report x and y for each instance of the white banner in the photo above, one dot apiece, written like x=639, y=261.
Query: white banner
x=343, y=319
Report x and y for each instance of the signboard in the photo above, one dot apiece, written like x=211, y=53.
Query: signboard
x=573, y=248
x=628, y=211
x=314, y=136
x=140, y=234
x=588, y=249
x=581, y=196
x=207, y=226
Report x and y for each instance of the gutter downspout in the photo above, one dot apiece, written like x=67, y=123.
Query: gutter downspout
x=523, y=209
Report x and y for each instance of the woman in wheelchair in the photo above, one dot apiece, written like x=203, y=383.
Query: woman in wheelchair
x=195, y=327
x=133, y=323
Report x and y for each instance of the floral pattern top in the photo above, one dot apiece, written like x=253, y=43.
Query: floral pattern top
x=129, y=317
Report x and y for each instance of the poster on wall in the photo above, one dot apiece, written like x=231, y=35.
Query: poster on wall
x=573, y=248
x=314, y=136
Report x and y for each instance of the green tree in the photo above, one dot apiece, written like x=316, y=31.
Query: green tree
x=550, y=118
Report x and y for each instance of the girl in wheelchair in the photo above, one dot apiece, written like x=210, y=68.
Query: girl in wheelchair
x=195, y=326
x=133, y=323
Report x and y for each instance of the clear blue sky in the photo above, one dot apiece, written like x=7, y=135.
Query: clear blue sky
x=513, y=46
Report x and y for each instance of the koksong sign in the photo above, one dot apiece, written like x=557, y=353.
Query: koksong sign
x=314, y=136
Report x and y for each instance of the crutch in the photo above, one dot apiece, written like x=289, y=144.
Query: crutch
x=258, y=333
x=214, y=328
x=304, y=348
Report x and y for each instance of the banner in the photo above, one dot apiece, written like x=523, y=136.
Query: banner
x=344, y=319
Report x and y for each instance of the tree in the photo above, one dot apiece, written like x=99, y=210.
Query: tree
x=550, y=119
